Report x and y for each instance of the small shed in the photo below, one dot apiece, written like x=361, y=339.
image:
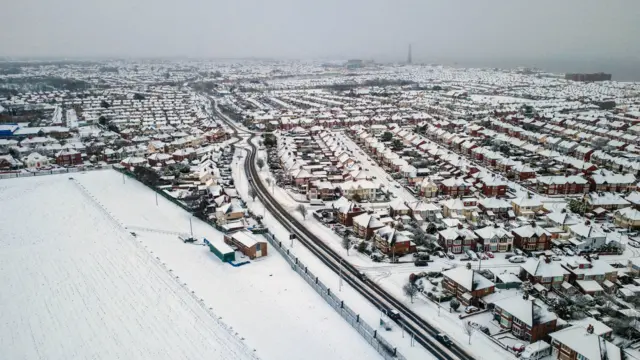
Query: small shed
x=247, y=243
x=223, y=251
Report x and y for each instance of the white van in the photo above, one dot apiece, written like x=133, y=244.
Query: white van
x=535, y=351
x=316, y=202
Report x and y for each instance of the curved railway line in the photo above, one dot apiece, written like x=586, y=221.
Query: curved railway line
x=422, y=331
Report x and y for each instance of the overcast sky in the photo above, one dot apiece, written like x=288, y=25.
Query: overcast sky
x=370, y=29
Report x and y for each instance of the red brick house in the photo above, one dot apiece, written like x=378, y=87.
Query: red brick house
x=68, y=158
x=562, y=185
x=526, y=318
x=531, y=237
x=493, y=187
x=455, y=187
x=346, y=211
x=467, y=285
x=392, y=241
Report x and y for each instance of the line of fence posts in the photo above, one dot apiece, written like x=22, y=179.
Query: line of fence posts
x=371, y=335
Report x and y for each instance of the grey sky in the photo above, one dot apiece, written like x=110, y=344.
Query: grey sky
x=379, y=29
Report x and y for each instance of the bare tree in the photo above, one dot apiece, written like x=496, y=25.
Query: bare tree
x=468, y=329
x=302, y=210
x=260, y=163
x=346, y=243
x=253, y=193
x=410, y=289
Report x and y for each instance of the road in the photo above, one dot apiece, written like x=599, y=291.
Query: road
x=423, y=331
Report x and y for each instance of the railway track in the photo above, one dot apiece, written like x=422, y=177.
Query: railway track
x=423, y=332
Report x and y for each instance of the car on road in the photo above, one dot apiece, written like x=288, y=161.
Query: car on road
x=490, y=254
x=471, y=310
x=396, y=185
x=444, y=339
x=517, y=259
x=393, y=314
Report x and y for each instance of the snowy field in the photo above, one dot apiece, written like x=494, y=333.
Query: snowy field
x=76, y=285
x=268, y=304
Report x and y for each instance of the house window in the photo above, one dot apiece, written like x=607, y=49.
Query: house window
x=505, y=322
x=581, y=357
x=258, y=247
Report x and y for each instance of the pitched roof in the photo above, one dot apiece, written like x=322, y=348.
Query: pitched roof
x=468, y=278
x=590, y=346
x=539, y=267
x=528, y=311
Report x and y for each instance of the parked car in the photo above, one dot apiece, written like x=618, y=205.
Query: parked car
x=490, y=254
x=440, y=254
x=471, y=310
x=634, y=244
x=517, y=259
x=450, y=255
x=556, y=258
x=568, y=252
x=519, y=252
x=421, y=263
x=472, y=255
x=444, y=339
x=519, y=347
x=482, y=255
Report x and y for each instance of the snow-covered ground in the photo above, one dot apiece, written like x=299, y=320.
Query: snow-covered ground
x=76, y=285
x=267, y=303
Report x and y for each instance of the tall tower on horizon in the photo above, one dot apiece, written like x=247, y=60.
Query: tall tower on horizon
x=409, y=56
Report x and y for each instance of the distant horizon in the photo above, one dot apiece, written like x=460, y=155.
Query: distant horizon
x=621, y=68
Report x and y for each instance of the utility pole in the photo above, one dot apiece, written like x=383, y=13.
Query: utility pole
x=190, y=226
x=156, y=198
x=123, y=177
x=340, y=274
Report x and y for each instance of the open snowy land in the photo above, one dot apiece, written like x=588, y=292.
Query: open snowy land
x=77, y=285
